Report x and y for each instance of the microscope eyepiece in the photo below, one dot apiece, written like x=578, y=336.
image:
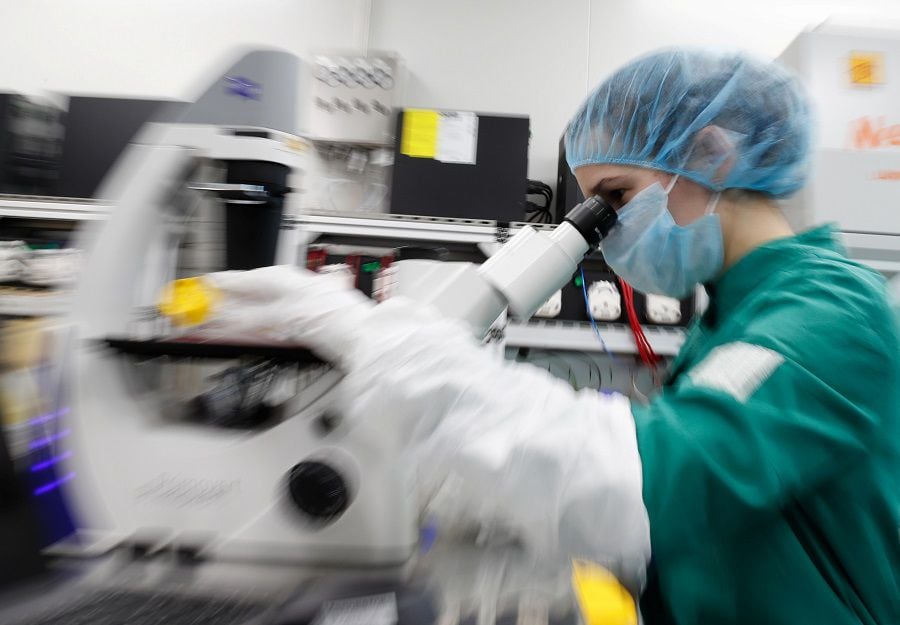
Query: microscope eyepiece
x=593, y=219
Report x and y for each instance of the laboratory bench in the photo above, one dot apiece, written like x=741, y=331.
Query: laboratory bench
x=449, y=585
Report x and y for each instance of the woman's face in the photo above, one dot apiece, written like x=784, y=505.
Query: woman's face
x=618, y=184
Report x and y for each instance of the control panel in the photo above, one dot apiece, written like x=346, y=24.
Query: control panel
x=352, y=97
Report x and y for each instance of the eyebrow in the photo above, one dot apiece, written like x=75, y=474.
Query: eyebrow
x=603, y=184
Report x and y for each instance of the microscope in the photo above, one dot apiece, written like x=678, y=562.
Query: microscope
x=137, y=468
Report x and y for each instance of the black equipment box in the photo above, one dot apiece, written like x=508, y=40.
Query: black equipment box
x=568, y=194
x=98, y=130
x=491, y=188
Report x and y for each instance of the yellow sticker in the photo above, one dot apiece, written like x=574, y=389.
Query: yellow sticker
x=420, y=133
x=188, y=301
x=602, y=599
x=296, y=144
x=866, y=68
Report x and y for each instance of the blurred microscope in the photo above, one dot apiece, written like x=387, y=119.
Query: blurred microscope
x=224, y=450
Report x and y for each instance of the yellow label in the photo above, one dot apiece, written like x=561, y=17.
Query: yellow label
x=602, y=599
x=866, y=68
x=296, y=144
x=420, y=133
x=188, y=301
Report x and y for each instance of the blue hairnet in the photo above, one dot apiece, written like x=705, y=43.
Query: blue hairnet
x=725, y=121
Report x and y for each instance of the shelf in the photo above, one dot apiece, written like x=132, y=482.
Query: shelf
x=567, y=335
x=39, y=207
x=411, y=228
x=36, y=304
x=406, y=227
x=879, y=251
x=210, y=350
x=352, y=143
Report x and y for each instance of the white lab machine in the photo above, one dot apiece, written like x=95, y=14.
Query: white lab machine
x=853, y=78
x=352, y=96
x=131, y=470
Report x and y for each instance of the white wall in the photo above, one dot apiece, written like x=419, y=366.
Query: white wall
x=541, y=57
x=154, y=47
x=537, y=57
x=762, y=27
x=498, y=56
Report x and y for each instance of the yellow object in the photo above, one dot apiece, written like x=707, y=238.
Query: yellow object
x=866, y=68
x=602, y=599
x=188, y=302
x=420, y=133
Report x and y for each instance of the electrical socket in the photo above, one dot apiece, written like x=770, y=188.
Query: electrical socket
x=551, y=308
x=662, y=310
x=604, y=301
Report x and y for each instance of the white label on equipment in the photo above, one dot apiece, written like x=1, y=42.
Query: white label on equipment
x=736, y=368
x=457, y=140
x=371, y=610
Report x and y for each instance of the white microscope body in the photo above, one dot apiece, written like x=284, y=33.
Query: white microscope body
x=289, y=491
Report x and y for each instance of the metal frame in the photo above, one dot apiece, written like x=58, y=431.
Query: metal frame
x=39, y=207
x=567, y=335
x=48, y=304
x=397, y=227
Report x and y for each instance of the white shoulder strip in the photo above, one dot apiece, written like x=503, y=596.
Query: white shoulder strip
x=736, y=368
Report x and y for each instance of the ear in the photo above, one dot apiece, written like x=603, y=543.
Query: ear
x=714, y=150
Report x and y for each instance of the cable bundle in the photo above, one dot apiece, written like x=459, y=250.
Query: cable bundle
x=645, y=350
x=536, y=212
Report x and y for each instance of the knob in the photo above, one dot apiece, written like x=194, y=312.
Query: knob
x=318, y=490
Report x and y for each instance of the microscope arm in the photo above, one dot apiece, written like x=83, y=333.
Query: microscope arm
x=526, y=271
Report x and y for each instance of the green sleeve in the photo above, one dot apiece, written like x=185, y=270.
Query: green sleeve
x=716, y=462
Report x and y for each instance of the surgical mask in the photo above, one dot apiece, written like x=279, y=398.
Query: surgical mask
x=654, y=254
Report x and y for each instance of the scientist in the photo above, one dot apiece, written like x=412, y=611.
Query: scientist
x=766, y=473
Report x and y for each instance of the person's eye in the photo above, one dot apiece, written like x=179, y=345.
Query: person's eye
x=616, y=197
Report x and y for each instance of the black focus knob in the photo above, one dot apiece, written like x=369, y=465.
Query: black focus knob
x=318, y=490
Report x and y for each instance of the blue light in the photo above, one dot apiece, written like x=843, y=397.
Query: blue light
x=46, y=464
x=50, y=416
x=46, y=488
x=243, y=87
x=40, y=443
x=428, y=535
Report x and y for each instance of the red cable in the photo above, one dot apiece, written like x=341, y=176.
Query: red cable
x=650, y=356
x=645, y=350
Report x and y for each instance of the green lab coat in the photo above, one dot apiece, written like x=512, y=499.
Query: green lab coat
x=772, y=455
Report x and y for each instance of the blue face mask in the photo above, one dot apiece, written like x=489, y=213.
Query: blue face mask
x=654, y=254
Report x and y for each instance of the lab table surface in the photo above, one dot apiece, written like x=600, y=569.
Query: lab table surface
x=469, y=585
